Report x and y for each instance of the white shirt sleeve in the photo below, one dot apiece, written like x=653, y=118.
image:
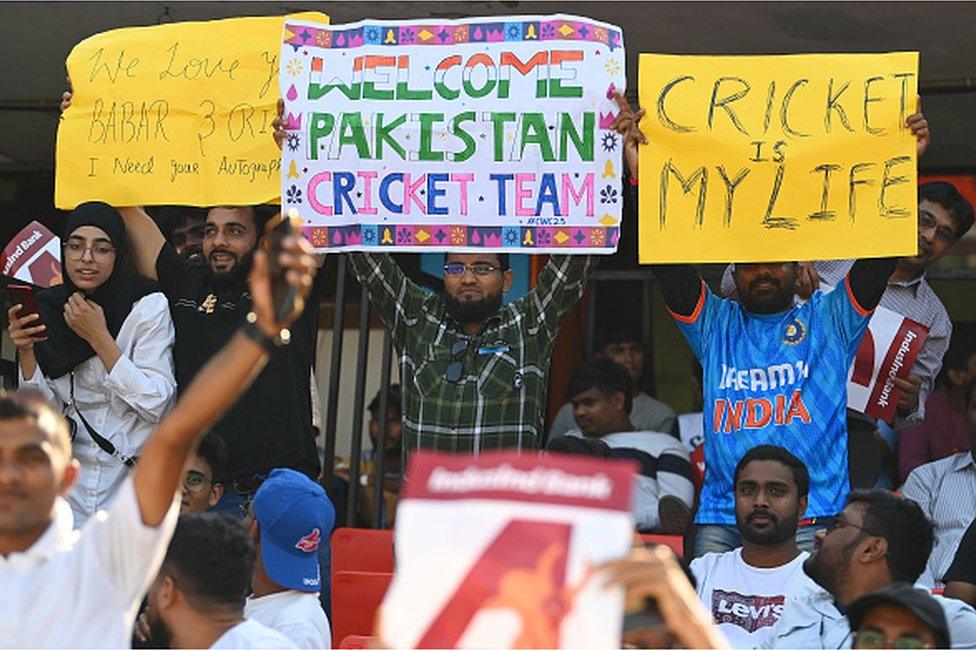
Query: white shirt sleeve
x=119, y=545
x=144, y=379
x=673, y=460
x=41, y=384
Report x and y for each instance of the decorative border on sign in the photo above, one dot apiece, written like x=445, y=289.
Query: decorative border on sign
x=492, y=32
x=459, y=235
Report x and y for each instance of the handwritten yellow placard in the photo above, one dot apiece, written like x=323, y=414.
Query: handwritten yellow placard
x=173, y=114
x=767, y=158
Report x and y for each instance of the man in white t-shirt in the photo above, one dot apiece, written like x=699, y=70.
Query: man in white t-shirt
x=600, y=392
x=197, y=599
x=60, y=588
x=745, y=589
x=289, y=517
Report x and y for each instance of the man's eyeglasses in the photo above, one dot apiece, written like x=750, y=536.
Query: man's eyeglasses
x=75, y=250
x=456, y=367
x=877, y=639
x=196, y=482
x=478, y=268
x=839, y=523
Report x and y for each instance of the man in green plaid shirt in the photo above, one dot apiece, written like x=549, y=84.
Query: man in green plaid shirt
x=474, y=373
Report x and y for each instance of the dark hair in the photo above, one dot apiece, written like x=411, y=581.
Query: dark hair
x=592, y=447
x=962, y=347
x=771, y=452
x=903, y=525
x=260, y=214
x=168, y=217
x=970, y=392
x=392, y=400
x=946, y=195
x=214, y=452
x=502, y=260
x=617, y=333
x=30, y=403
x=606, y=375
x=211, y=558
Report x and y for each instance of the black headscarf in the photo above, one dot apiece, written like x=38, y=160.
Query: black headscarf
x=64, y=350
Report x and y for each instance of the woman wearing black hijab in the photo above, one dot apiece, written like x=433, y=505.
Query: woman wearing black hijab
x=103, y=354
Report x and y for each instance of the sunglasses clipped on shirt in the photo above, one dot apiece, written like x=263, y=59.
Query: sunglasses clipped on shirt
x=478, y=268
x=456, y=367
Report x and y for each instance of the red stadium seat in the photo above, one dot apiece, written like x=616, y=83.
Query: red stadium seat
x=356, y=595
x=675, y=542
x=362, y=549
x=358, y=642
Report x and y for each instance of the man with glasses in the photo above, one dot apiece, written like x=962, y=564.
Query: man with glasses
x=878, y=539
x=201, y=489
x=899, y=616
x=474, y=372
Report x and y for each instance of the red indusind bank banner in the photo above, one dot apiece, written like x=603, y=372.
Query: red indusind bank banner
x=498, y=551
x=888, y=350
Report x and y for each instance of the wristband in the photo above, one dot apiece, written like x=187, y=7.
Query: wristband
x=269, y=343
x=633, y=181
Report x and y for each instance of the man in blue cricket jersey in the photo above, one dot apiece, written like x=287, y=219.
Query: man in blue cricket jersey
x=774, y=372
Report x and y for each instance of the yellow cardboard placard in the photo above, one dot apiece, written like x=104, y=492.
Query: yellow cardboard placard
x=174, y=114
x=768, y=158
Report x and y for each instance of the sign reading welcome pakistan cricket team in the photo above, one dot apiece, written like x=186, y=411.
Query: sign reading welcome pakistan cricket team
x=489, y=134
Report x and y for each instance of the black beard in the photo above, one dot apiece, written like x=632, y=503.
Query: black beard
x=160, y=635
x=781, y=531
x=236, y=276
x=472, y=311
x=770, y=303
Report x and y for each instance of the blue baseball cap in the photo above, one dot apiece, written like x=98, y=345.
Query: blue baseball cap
x=295, y=517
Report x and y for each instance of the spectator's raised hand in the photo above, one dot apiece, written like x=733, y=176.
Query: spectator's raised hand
x=654, y=573
x=296, y=261
x=626, y=124
x=66, y=97
x=807, y=280
x=920, y=129
x=279, y=124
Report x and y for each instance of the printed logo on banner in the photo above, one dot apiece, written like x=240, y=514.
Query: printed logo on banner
x=33, y=256
x=888, y=350
x=456, y=134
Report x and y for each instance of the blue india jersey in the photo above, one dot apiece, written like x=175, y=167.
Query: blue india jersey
x=778, y=379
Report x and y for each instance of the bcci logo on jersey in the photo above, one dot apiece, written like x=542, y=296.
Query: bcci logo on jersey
x=795, y=332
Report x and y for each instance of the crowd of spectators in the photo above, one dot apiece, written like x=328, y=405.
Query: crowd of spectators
x=164, y=450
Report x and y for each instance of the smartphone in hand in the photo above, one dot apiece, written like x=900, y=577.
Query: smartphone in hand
x=23, y=294
x=287, y=300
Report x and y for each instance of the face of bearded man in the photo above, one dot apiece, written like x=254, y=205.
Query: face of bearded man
x=229, y=240
x=471, y=298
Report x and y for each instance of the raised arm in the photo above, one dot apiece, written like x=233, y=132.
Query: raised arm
x=217, y=385
x=145, y=239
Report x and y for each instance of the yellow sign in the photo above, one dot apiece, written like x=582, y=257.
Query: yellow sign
x=767, y=158
x=173, y=114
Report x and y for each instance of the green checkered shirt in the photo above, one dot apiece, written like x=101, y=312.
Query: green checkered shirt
x=499, y=401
